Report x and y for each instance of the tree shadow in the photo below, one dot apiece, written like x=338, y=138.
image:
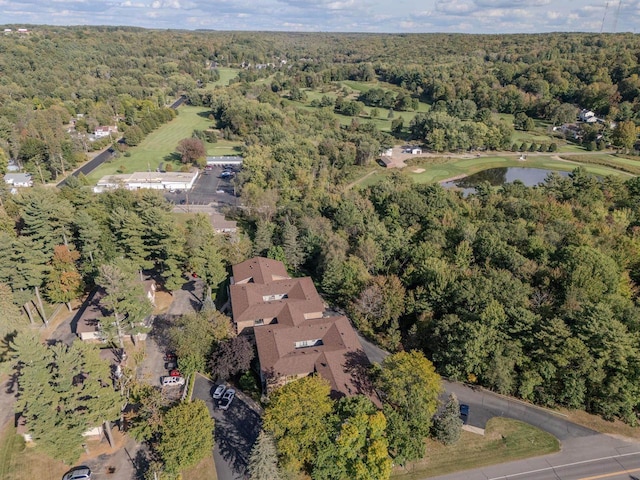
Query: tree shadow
x=358, y=366
x=205, y=114
x=235, y=435
x=172, y=157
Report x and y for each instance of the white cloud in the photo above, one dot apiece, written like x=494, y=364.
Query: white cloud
x=470, y=16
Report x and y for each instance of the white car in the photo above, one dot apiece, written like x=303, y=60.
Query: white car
x=217, y=394
x=172, y=381
x=227, y=398
x=78, y=473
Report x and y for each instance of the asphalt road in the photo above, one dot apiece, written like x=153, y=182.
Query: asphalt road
x=585, y=454
x=236, y=430
x=91, y=165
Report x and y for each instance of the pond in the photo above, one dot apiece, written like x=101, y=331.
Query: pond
x=499, y=176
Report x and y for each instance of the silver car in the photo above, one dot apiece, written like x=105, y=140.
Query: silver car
x=227, y=398
x=217, y=394
x=78, y=473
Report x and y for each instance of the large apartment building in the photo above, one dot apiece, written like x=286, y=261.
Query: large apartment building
x=294, y=336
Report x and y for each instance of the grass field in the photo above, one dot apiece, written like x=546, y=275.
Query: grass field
x=504, y=440
x=442, y=168
x=18, y=461
x=226, y=74
x=205, y=470
x=160, y=144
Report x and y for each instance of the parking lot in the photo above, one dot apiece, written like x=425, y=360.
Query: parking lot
x=209, y=188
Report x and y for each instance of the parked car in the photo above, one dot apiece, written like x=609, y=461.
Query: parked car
x=175, y=373
x=464, y=413
x=227, y=398
x=169, y=380
x=170, y=357
x=78, y=473
x=217, y=394
x=171, y=365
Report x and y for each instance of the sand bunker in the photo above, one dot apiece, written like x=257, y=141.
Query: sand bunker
x=418, y=170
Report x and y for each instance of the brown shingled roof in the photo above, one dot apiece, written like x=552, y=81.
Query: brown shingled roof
x=259, y=270
x=248, y=300
x=337, y=359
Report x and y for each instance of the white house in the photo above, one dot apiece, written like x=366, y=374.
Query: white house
x=587, y=116
x=154, y=180
x=18, y=179
x=105, y=131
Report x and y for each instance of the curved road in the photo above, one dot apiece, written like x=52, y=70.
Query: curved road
x=585, y=454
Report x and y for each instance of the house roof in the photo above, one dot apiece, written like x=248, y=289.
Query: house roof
x=91, y=314
x=335, y=353
x=252, y=301
x=259, y=270
x=14, y=178
x=221, y=224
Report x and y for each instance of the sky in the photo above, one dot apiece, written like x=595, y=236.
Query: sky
x=385, y=16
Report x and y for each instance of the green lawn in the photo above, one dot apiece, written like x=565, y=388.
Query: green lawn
x=442, y=168
x=18, y=461
x=505, y=440
x=226, y=74
x=160, y=145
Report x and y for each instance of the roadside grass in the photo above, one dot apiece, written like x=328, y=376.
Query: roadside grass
x=442, y=168
x=160, y=145
x=616, y=428
x=205, y=470
x=18, y=461
x=505, y=440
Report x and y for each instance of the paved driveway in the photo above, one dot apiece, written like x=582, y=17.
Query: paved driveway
x=236, y=431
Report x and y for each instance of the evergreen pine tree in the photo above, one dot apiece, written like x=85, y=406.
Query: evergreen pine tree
x=447, y=426
x=263, y=461
x=291, y=246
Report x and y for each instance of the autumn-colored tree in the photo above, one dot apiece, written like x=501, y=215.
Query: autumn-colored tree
x=297, y=417
x=411, y=388
x=191, y=150
x=63, y=283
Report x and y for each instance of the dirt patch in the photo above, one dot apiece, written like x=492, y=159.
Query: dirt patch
x=97, y=447
x=418, y=170
x=163, y=301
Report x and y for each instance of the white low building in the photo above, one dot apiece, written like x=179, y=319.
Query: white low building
x=18, y=179
x=224, y=161
x=170, y=181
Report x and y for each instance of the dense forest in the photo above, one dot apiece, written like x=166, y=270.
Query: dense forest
x=529, y=291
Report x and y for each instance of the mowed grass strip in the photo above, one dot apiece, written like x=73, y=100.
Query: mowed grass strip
x=18, y=461
x=160, y=144
x=505, y=440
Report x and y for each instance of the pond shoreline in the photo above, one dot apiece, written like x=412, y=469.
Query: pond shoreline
x=451, y=179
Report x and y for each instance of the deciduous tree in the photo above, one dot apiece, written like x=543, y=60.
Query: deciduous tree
x=187, y=436
x=296, y=417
